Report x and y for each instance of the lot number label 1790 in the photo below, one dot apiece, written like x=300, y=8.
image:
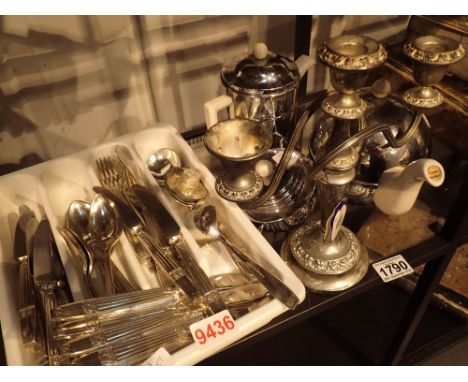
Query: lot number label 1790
x=392, y=268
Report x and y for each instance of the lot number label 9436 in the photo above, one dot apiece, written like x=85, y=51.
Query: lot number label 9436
x=212, y=329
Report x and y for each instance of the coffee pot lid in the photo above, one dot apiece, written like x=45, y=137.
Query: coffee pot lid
x=260, y=71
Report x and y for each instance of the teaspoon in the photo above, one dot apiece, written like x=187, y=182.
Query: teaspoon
x=162, y=162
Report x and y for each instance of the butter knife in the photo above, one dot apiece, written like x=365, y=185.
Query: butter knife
x=277, y=288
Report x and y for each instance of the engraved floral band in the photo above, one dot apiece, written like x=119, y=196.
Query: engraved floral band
x=368, y=55
x=434, y=58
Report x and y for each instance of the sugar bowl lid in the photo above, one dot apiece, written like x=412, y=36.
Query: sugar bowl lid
x=260, y=71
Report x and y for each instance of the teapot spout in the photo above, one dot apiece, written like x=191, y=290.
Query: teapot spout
x=399, y=186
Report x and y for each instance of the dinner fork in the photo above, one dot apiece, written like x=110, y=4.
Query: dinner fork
x=109, y=175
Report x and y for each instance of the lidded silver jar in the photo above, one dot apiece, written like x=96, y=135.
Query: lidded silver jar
x=261, y=86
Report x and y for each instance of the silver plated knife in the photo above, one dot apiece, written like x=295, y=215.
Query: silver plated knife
x=25, y=295
x=48, y=275
x=170, y=230
x=38, y=339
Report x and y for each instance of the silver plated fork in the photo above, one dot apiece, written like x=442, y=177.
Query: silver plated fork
x=108, y=174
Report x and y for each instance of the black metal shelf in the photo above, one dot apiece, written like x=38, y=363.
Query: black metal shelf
x=436, y=252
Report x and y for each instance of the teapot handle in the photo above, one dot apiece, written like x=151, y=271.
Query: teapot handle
x=214, y=106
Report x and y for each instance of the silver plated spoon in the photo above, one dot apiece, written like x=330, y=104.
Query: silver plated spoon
x=162, y=162
x=79, y=249
x=77, y=218
x=105, y=229
x=206, y=221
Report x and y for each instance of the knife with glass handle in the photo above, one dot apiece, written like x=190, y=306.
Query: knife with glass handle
x=134, y=227
x=170, y=229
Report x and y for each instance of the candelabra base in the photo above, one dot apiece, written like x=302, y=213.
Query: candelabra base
x=331, y=282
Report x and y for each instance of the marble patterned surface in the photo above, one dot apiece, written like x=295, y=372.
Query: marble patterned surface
x=456, y=275
x=390, y=235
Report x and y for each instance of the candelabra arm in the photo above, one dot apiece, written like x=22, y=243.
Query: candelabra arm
x=283, y=164
x=405, y=137
x=364, y=134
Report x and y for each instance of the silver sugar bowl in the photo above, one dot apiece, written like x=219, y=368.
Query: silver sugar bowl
x=238, y=143
x=293, y=201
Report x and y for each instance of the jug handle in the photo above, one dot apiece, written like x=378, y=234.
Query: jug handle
x=399, y=186
x=303, y=64
x=214, y=106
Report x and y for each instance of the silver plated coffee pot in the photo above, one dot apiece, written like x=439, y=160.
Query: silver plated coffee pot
x=377, y=155
x=261, y=86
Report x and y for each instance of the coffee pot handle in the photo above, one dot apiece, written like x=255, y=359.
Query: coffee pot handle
x=214, y=106
x=304, y=63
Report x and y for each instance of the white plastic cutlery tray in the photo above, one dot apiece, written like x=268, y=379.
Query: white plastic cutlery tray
x=50, y=187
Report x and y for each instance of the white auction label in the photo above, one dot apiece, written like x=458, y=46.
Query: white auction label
x=392, y=268
x=213, y=329
x=159, y=358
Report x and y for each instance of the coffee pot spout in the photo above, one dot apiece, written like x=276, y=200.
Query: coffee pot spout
x=399, y=186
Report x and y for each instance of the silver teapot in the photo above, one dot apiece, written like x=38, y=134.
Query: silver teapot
x=377, y=155
x=261, y=86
